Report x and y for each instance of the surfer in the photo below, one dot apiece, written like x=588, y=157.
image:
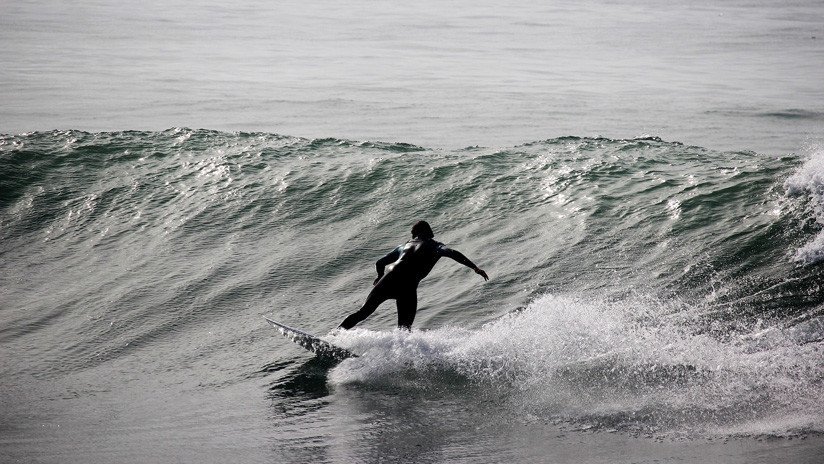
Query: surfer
x=408, y=264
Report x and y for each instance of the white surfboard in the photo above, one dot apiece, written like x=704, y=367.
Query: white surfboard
x=321, y=348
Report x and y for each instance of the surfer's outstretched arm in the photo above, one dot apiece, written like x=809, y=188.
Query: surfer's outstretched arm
x=459, y=257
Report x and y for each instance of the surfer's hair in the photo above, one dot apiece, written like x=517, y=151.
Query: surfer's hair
x=421, y=229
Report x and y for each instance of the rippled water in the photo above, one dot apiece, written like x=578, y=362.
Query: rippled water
x=640, y=287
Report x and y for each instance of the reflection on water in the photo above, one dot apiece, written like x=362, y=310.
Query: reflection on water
x=384, y=423
x=316, y=422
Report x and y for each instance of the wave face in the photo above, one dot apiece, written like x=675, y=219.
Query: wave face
x=638, y=285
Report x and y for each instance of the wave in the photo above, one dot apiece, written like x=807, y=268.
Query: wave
x=794, y=114
x=659, y=273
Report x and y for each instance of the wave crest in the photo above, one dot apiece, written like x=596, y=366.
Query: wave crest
x=808, y=183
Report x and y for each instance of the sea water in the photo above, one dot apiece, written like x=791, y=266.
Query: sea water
x=734, y=75
x=642, y=184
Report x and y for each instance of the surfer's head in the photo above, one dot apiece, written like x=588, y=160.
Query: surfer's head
x=421, y=229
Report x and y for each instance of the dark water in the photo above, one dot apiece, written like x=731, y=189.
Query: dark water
x=639, y=288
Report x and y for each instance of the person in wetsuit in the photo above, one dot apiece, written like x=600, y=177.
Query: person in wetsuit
x=408, y=265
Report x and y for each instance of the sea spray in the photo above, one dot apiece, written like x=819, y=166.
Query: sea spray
x=807, y=184
x=606, y=365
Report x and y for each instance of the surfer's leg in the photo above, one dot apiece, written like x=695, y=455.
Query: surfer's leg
x=375, y=298
x=407, y=306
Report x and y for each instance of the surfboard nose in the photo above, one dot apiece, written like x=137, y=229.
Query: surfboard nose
x=320, y=347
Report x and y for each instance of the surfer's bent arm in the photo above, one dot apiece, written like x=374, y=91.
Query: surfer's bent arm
x=459, y=257
x=390, y=258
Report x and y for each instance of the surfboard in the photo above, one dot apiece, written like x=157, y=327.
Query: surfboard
x=321, y=348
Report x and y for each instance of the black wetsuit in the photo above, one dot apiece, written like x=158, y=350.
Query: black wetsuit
x=408, y=265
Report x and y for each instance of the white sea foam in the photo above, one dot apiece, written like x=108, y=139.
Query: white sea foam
x=610, y=365
x=808, y=182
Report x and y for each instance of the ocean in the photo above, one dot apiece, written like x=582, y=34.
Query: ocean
x=644, y=185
